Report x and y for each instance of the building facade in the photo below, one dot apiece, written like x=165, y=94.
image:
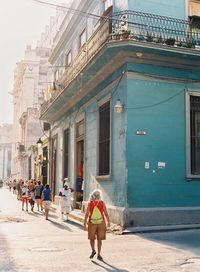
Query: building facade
x=5, y=151
x=124, y=108
x=32, y=76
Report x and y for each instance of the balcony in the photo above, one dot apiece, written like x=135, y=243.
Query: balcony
x=137, y=27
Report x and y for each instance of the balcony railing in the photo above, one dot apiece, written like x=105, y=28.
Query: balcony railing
x=154, y=28
x=132, y=25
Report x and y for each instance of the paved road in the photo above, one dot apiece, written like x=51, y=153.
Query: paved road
x=29, y=243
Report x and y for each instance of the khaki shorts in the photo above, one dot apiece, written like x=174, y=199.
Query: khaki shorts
x=97, y=231
x=46, y=204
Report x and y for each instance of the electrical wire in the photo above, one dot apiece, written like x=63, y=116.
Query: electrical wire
x=72, y=10
x=83, y=13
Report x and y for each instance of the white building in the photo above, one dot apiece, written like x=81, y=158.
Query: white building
x=5, y=151
x=32, y=76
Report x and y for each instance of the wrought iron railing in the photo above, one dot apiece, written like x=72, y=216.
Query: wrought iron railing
x=154, y=28
x=132, y=25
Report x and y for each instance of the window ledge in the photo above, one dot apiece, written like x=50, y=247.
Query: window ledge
x=193, y=178
x=103, y=178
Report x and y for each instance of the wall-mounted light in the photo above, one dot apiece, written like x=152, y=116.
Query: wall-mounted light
x=119, y=107
x=141, y=132
x=39, y=143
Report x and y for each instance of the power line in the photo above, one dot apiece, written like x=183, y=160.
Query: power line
x=78, y=12
x=74, y=11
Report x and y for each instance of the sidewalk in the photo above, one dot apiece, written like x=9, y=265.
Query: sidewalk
x=78, y=217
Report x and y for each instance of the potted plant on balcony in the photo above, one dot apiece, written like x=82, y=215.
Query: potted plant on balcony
x=149, y=37
x=160, y=40
x=190, y=43
x=125, y=34
x=170, y=41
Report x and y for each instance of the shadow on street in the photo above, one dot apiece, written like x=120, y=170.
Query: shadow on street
x=109, y=267
x=183, y=239
x=60, y=226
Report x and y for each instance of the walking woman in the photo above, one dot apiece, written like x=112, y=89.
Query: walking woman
x=46, y=200
x=24, y=189
x=96, y=217
x=38, y=194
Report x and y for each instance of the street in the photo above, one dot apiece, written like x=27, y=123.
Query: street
x=30, y=243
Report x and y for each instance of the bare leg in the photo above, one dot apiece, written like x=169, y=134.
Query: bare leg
x=99, y=245
x=92, y=244
x=22, y=204
x=46, y=213
x=37, y=201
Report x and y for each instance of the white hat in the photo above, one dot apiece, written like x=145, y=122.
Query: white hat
x=66, y=179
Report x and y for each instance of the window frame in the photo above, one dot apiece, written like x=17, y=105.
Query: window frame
x=68, y=60
x=66, y=166
x=106, y=175
x=80, y=38
x=189, y=93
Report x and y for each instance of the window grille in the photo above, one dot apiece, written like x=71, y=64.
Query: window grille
x=104, y=139
x=195, y=134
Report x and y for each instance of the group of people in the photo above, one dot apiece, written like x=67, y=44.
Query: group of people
x=31, y=192
x=96, y=219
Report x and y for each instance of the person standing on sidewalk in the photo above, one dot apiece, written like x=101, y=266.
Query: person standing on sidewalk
x=46, y=200
x=31, y=191
x=24, y=189
x=65, y=200
x=96, y=217
x=38, y=194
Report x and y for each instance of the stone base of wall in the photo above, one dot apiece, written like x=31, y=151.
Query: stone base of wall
x=161, y=216
x=152, y=216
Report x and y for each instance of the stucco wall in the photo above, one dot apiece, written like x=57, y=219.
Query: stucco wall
x=174, y=8
x=113, y=187
x=154, y=108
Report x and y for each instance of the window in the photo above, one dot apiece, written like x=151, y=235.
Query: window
x=68, y=59
x=82, y=38
x=66, y=153
x=195, y=135
x=29, y=168
x=104, y=139
x=45, y=165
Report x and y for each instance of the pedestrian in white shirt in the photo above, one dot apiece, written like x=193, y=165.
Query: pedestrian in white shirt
x=65, y=200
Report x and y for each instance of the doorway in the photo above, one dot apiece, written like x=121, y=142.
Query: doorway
x=79, y=186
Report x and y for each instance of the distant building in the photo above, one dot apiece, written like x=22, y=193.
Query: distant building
x=32, y=75
x=5, y=151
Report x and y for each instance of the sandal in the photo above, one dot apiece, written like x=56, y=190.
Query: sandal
x=99, y=258
x=92, y=254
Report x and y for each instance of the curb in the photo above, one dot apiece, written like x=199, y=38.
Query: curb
x=160, y=228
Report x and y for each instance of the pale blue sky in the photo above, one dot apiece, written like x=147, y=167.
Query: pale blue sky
x=21, y=23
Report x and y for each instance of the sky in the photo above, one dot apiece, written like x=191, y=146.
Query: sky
x=21, y=23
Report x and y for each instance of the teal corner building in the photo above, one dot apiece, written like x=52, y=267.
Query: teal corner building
x=129, y=110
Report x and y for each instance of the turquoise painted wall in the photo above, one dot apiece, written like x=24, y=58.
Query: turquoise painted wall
x=113, y=188
x=158, y=108
x=175, y=8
